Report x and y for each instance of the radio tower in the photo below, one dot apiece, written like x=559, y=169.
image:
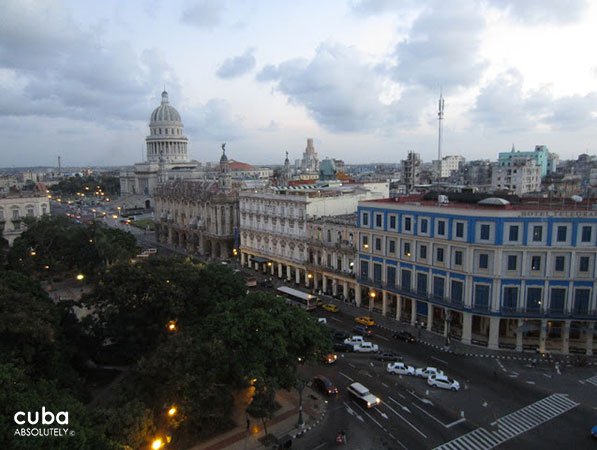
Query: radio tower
x=440, y=118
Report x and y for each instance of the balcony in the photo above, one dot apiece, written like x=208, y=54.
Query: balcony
x=325, y=268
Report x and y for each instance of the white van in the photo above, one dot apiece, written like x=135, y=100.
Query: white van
x=361, y=393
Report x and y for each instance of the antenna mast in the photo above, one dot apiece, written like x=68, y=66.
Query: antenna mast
x=440, y=118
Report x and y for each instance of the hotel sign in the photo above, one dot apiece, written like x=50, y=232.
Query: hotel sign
x=558, y=213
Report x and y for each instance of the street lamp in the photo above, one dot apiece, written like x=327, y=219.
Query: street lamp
x=309, y=276
x=372, y=294
x=80, y=277
x=172, y=326
x=172, y=411
x=157, y=444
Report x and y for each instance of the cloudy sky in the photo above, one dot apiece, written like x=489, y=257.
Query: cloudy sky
x=362, y=77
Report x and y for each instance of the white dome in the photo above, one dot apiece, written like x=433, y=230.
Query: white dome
x=165, y=112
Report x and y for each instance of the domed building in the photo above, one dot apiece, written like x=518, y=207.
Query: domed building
x=166, y=155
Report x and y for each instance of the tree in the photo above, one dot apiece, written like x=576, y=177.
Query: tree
x=264, y=404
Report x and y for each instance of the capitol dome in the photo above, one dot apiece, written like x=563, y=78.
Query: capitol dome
x=165, y=112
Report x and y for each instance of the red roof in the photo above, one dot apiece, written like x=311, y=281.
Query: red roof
x=237, y=165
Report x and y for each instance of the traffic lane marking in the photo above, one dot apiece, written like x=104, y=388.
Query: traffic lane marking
x=445, y=425
x=404, y=408
x=380, y=425
x=381, y=337
x=346, y=376
x=404, y=418
x=440, y=360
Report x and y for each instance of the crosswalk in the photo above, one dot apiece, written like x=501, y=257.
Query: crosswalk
x=513, y=424
x=592, y=380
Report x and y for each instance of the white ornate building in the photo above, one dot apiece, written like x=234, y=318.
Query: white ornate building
x=15, y=207
x=166, y=153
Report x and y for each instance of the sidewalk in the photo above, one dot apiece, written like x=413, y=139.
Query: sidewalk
x=283, y=425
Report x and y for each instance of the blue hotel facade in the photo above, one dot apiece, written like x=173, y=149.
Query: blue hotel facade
x=514, y=276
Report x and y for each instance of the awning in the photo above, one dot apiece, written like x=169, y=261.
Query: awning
x=259, y=259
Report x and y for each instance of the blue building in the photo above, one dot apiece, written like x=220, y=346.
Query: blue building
x=541, y=155
x=489, y=273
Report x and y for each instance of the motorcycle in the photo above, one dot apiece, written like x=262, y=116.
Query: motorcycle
x=341, y=438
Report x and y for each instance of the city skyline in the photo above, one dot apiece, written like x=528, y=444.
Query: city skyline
x=362, y=78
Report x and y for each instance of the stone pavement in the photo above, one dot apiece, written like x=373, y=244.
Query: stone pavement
x=283, y=426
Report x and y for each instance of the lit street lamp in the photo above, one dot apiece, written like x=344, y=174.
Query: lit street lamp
x=157, y=444
x=80, y=277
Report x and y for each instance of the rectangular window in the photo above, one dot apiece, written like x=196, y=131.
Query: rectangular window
x=481, y=296
x=393, y=222
x=364, y=269
x=378, y=244
x=365, y=218
x=535, y=263
x=365, y=241
x=510, y=298
x=513, y=233
x=438, y=287
x=423, y=252
x=377, y=272
x=392, y=246
x=391, y=276
x=15, y=213
x=458, y=258
x=407, y=224
x=483, y=261
x=422, y=283
x=585, y=235
x=534, y=298
x=459, y=230
x=407, y=252
x=378, y=220
x=405, y=279
x=440, y=255
x=30, y=212
x=557, y=300
x=512, y=259
x=424, y=226
x=537, y=233
x=561, y=233
x=583, y=264
x=581, y=301
x=441, y=227
x=560, y=263
x=456, y=291
x=484, y=232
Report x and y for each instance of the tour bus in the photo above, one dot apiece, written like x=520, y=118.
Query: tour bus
x=298, y=298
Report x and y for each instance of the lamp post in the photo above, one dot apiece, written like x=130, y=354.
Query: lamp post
x=300, y=385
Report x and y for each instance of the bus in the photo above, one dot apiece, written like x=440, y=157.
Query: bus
x=298, y=298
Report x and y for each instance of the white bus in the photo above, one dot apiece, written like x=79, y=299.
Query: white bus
x=298, y=298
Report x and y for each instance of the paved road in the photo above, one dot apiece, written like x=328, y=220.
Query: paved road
x=507, y=403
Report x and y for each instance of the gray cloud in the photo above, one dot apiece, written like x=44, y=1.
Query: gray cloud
x=504, y=107
x=543, y=11
x=443, y=47
x=204, y=14
x=341, y=93
x=214, y=120
x=238, y=65
x=372, y=7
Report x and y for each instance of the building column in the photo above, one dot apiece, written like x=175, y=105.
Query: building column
x=324, y=284
x=467, y=328
x=334, y=287
x=288, y=273
x=345, y=290
x=589, y=337
x=447, y=321
x=384, y=303
x=494, y=333
x=298, y=275
x=566, y=337
x=271, y=268
x=357, y=295
x=315, y=281
x=371, y=300
x=242, y=259
x=398, y=307
x=413, y=312
x=542, y=335
x=519, y=335
x=280, y=269
x=429, y=316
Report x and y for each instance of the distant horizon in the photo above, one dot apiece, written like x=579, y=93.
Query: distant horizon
x=360, y=77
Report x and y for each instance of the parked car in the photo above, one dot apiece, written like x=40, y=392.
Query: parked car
x=404, y=336
x=324, y=385
x=399, y=368
x=364, y=320
x=340, y=335
x=322, y=321
x=443, y=382
x=330, y=307
x=353, y=340
x=362, y=330
x=388, y=356
x=362, y=394
x=330, y=358
x=366, y=347
x=427, y=371
x=342, y=347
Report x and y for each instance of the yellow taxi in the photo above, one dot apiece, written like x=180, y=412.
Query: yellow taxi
x=331, y=307
x=364, y=320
